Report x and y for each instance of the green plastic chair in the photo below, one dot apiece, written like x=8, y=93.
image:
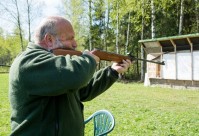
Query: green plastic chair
x=104, y=122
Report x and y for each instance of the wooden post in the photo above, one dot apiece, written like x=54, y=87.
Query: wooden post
x=191, y=47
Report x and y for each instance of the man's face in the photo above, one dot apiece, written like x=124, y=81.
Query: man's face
x=66, y=37
x=65, y=43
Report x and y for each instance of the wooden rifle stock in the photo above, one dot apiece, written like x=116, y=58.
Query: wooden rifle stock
x=103, y=55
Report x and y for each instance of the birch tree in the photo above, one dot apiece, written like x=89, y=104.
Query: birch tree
x=181, y=17
x=90, y=24
x=152, y=19
x=33, y=10
x=117, y=29
x=28, y=18
x=106, y=20
x=127, y=35
x=142, y=37
x=11, y=10
x=197, y=15
x=18, y=18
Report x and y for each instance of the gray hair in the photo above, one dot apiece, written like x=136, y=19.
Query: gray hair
x=47, y=26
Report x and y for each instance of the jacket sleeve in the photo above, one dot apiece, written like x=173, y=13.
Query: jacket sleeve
x=100, y=82
x=47, y=75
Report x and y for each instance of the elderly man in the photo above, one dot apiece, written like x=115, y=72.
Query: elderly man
x=46, y=91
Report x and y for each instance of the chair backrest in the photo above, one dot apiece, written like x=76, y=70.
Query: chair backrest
x=104, y=122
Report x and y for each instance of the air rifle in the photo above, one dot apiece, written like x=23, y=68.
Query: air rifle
x=103, y=55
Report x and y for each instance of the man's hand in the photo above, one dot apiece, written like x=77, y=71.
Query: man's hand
x=121, y=67
x=97, y=59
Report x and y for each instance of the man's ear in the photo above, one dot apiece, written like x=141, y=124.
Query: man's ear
x=49, y=40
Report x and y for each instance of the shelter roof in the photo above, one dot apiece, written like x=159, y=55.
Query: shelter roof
x=171, y=44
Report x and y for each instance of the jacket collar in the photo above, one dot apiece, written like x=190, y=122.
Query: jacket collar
x=32, y=45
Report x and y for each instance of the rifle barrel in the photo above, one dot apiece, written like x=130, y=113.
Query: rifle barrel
x=151, y=61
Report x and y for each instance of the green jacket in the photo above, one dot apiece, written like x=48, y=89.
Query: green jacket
x=46, y=92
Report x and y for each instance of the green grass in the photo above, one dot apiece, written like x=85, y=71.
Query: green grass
x=138, y=110
x=149, y=111
x=4, y=106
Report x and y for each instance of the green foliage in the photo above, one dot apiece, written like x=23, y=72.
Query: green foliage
x=10, y=46
x=75, y=13
x=98, y=27
x=5, y=53
x=167, y=16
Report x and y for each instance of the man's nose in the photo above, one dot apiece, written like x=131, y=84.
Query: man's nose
x=74, y=44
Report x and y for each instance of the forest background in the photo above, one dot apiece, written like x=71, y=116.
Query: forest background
x=111, y=25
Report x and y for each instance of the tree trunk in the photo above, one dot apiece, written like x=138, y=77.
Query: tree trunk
x=106, y=25
x=117, y=30
x=197, y=15
x=28, y=12
x=90, y=25
x=19, y=24
x=152, y=19
x=181, y=17
x=127, y=35
x=143, y=64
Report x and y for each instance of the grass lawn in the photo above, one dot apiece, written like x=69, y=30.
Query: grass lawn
x=138, y=110
x=4, y=106
x=149, y=111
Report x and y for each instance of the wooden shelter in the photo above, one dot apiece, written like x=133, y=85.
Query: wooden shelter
x=181, y=57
